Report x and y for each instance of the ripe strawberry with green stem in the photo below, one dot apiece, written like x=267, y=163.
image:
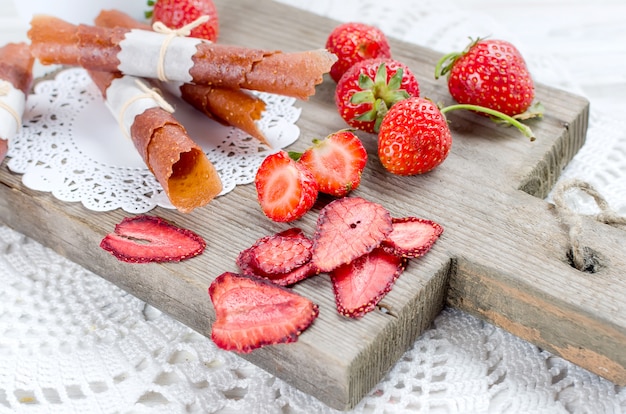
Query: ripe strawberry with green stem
x=414, y=136
x=369, y=88
x=490, y=73
x=286, y=190
x=178, y=13
x=336, y=162
x=354, y=42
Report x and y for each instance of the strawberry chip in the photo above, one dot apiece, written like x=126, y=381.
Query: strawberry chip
x=251, y=313
x=361, y=284
x=144, y=239
x=283, y=258
x=412, y=236
x=348, y=228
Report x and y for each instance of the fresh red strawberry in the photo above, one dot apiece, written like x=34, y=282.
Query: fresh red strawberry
x=143, y=239
x=283, y=258
x=178, y=13
x=353, y=42
x=489, y=73
x=361, y=284
x=348, y=228
x=251, y=313
x=369, y=88
x=286, y=190
x=412, y=236
x=414, y=137
x=336, y=162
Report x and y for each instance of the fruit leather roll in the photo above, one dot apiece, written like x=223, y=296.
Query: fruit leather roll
x=145, y=53
x=16, y=78
x=182, y=168
x=234, y=107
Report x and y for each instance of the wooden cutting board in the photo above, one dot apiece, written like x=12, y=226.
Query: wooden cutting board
x=503, y=255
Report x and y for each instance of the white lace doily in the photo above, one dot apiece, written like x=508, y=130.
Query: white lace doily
x=70, y=342
x=72, y=146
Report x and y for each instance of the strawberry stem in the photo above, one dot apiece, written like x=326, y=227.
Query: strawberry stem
x=444, y=65
x=524, y=129
x=450, y=59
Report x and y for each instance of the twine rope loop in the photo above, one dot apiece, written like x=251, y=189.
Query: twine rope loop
x=170, y=33
x=580, y=252
x=148, y=93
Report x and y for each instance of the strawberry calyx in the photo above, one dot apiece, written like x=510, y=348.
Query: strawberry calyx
x=497, y=116
x=380, y=93
x=295, y=155
x=148, y=13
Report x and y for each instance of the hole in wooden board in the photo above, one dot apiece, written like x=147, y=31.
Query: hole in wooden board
x=591, y=260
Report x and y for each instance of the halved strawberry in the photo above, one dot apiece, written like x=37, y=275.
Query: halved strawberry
x=251, y=313
x=348, y=228
x=336, y=162
x=286, y=190
x=143, y=239
x=284, y=258
x=361, y=284
x=412, y=236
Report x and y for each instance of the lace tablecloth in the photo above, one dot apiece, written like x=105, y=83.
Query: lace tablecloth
x=70, y=342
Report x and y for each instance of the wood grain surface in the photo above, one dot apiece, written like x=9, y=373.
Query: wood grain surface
x=503, y=254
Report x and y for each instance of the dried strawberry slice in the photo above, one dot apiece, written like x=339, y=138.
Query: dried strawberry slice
x=283, y=258
x=361, y=284
x=143, y=239
x=290, y=278
x=412, y=236
x=247, y=265
x=348, y=228
x=245, y=261
x=251, y=313
x=281, y=253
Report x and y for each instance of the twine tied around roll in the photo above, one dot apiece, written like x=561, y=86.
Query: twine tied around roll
x=5, y=88
x=581, y=255
x=148, y=93
x=183, y=31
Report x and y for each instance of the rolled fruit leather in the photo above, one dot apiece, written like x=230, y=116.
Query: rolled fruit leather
x=16, y=78
x=182, y=168
x=190, y=60
x=235, y=107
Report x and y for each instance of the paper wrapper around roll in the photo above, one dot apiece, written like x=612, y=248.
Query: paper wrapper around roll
x=139, y=53
x=182, y=168
x=235, y=107
x=16, y=77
